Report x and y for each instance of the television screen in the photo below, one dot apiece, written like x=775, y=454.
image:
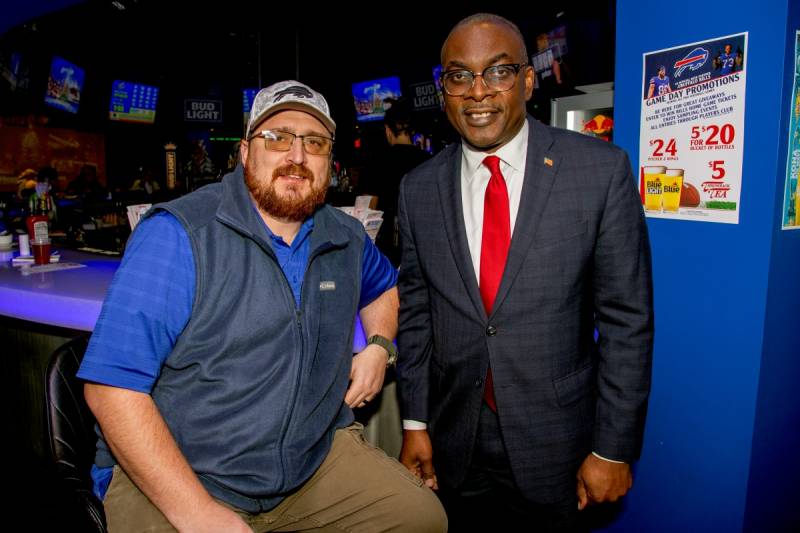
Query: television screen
x=248, y=95
x=64, y=85
x=133, y=102
x=369, y=97
x=15, y=70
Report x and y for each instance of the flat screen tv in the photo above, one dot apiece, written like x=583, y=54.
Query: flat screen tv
x=64, y=85
x=133, y=102
x=15, y=70
x=369, y=97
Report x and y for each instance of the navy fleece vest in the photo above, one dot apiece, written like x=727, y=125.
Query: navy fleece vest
x=254, y=388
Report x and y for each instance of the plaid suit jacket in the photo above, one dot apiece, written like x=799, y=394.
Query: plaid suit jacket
x=579, y=262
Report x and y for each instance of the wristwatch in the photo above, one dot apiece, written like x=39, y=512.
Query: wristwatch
x=387, y=345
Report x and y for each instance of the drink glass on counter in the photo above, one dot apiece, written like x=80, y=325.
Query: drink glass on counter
x=41, y=250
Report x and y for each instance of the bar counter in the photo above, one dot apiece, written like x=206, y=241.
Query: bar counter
x=39, y=312
x=66, y=298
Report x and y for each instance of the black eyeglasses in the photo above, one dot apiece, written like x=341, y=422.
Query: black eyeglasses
x=282, y=141
x=498, y=78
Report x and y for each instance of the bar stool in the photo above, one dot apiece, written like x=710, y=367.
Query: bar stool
x=71, y=438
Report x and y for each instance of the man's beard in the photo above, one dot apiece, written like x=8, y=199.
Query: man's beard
x=289, y=206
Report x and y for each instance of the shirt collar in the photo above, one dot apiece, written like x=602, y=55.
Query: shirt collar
x=511, y=154
x=302, y=233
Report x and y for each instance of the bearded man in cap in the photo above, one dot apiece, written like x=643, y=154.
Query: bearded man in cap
x=221, y=370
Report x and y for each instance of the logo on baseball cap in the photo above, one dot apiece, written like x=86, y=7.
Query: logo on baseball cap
x=289, y=94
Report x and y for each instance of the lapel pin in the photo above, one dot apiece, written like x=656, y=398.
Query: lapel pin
x=548, y=161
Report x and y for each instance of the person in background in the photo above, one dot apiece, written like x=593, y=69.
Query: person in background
x=86, y=186
x=43, y=195
x=146, y=183
x=221, y=369
x=553, y=77
x=519, y=243
x=382, y=177
x=542, y=44
x=26, y=183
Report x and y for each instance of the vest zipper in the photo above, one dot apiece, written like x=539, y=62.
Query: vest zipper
x=298, y=315
x=298, y=322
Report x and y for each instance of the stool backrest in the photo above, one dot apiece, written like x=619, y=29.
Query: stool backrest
x=71, y=435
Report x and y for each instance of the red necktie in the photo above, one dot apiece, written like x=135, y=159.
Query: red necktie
x=494, y=248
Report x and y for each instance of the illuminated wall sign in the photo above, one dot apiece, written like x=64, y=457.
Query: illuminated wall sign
x=202, y=110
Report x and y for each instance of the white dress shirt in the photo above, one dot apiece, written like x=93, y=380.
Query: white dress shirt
x=474, y=180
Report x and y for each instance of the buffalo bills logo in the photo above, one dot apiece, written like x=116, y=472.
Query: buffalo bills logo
x=294, y=90
x=693, y=61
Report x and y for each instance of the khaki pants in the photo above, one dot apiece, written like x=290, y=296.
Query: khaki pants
x=357, y=488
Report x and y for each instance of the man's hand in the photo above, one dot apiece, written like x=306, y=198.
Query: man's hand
x=366, y=375
x=602, y=481
x=416, y=454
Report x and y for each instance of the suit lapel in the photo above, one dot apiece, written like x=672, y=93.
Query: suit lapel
x=449, y=182
x=541, y=167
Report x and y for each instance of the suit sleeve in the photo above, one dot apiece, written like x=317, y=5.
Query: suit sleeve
x=414, y=338
x=623, y=301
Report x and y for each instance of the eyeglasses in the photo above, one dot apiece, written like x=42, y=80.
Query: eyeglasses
x=499, y=78
x=282, y=141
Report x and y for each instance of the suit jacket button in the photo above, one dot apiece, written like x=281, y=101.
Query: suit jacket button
x=479, y=383
x=491, y=331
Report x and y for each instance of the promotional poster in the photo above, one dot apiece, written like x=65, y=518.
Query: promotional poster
x=791, y=195
x=692, y=130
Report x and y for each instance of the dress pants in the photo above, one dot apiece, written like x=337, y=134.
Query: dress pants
x=489, y=499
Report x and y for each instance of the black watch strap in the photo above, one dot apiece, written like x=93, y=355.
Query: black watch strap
x=387, y=345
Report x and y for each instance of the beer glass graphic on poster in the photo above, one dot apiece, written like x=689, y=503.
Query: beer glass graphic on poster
x=691, y=137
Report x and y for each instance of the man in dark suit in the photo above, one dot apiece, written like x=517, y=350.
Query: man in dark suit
x=518, y=243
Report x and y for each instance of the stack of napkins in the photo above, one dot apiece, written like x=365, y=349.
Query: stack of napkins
x=135, y=213
x=370, y=218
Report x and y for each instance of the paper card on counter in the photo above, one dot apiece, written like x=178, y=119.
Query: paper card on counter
x=371, y=219
x=363, y=202
x=38, y=269
x=135, y=213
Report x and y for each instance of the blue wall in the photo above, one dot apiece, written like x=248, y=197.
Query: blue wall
x=772, y=494
x=711, y=282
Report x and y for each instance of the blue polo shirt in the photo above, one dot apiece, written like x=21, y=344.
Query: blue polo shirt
x=149, y=303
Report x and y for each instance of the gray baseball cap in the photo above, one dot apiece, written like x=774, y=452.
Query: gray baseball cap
x=289, y=94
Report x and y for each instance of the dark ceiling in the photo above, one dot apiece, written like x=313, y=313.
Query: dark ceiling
x=215, y=50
